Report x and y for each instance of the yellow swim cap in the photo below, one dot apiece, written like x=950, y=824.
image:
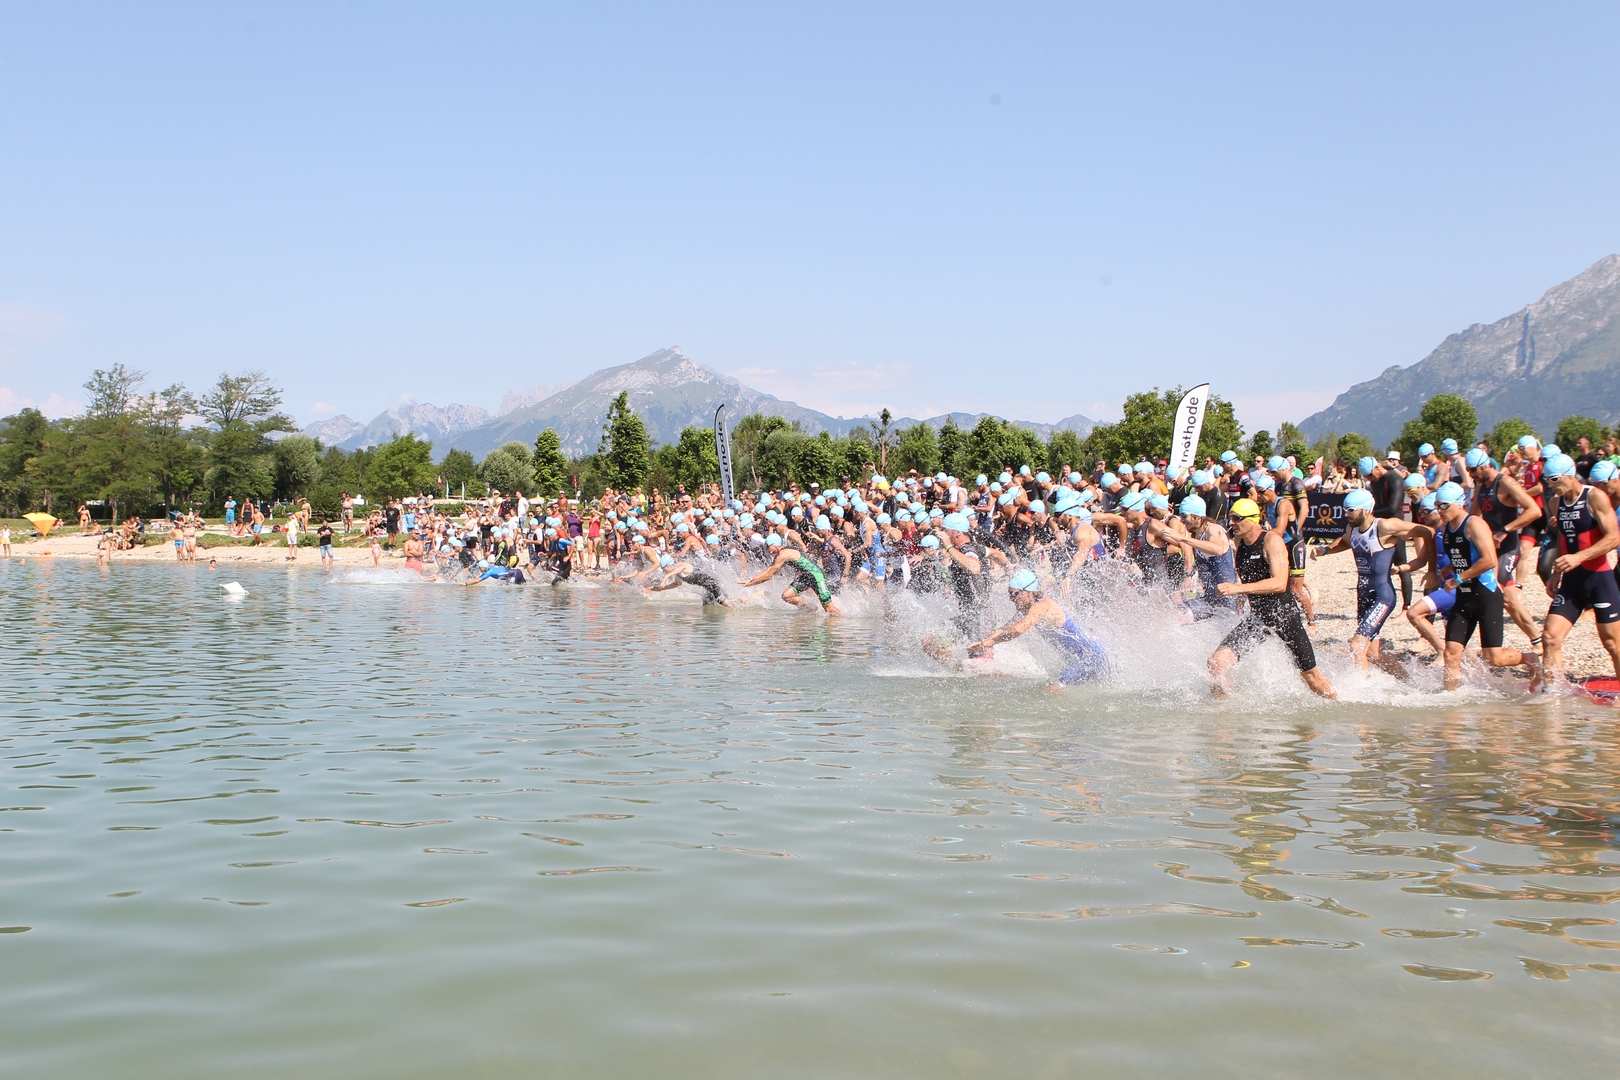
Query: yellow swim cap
x=1246, y=508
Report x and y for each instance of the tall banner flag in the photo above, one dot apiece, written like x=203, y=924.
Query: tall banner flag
x=722, y=450
x=1189, y=425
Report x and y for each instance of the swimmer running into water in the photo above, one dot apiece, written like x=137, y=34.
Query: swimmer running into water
x=1084, y=658
x=681, y=573
x=808, y=576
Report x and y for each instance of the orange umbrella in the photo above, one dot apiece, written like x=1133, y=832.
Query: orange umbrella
x=43, y=522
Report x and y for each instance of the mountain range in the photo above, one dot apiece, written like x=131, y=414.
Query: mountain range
x=1557, y=357
x=668, y=389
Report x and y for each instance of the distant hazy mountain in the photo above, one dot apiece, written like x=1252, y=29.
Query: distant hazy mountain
x=1555, y=358
x=513, y=400
x=668, y=389
x=425, y=421
x=671, y=392
x=334, y=431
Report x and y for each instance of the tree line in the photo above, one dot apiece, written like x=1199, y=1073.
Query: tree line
x=143, y=452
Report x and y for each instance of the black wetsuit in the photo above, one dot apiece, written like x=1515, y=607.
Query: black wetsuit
x=1274, y=614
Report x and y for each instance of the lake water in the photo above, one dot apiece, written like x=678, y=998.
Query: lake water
x=354, y=827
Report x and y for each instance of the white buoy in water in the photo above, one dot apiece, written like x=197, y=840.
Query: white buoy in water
x=233, y=588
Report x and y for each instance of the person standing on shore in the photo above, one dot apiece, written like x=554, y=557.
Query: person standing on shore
x=230, y=514
x=292, y=535
x=348, y=512
x=377, y=535
x=324, y=536
x=5, y=541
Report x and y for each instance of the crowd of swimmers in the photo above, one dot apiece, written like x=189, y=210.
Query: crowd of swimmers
x=1227, y=541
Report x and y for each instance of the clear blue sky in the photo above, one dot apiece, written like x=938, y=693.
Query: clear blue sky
x=1030, y=209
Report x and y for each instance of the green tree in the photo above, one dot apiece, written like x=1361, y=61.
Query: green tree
x=1291, y=442
x=1506, y=435
x=1572, y=428
x=1148, y=427
x=853, y=452
x=298, y=465
x=918, y=449
x=550, y=464
x=458, y=475
x=1065, y=452
x=779, y=457
x=992, y=445
x=747, y=437
x=508, y=468
x=884, y=442
x=243, y=410
x=401, y=466
x=1352, y=447
x=1444, y=416
x=816, y=460
x=625, y=445
x=1260, y=444
x=952, y=448
x=695, y=462
x=22, y=440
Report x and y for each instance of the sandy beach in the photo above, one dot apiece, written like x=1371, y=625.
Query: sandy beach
x=1332, y=580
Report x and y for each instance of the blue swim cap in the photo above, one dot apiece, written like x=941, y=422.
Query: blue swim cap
x=1082, y=515
x=745, y=520
x=1276, y=462
x=1005, y=477
x=1125, y=467
x=1264, y=482
x=1603, y=472
x=681, y=528
x=1452, y=494
x=836, y=511
x=1366, y=465
x=1415, y=480
x=902, y=515
x=796, y=512
x=773, y=540
x=1550, y=451
x=1193, y=506
x=957, y=523
x=1175, y=472
x=665, y=560
x=1558, y=465
x=1065, y=506
x=551, y=532
x=884, y=519
x=713, y=539
x=1109, y=479
x=1144, y=466
x=936, y=512
x=821, y=500
x=823, y=523
x=1229, y=455
x=982, y=480
x=1201, y=478
x=1428, y=501
x=1449, y=445
x=483, y=564
x=1037, y=507
x=1074, y=478
x=1042, y=478
x=1476, y=457
x=1158, y=502
x=930, y=541
x=1006, y=500
x=1132, y=500
x=1085, y=497
x=1023, y=470
x=860, y=506
x=941, y=477
x=1527, y=441
x=1024, y=581
x=1359, y=499
x=1425, y=450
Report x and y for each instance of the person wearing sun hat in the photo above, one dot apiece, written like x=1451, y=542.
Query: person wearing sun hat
x=1261, y=562
x=1467, y=542
x=1583, y=574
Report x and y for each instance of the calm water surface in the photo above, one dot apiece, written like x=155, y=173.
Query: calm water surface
x=348, y=828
